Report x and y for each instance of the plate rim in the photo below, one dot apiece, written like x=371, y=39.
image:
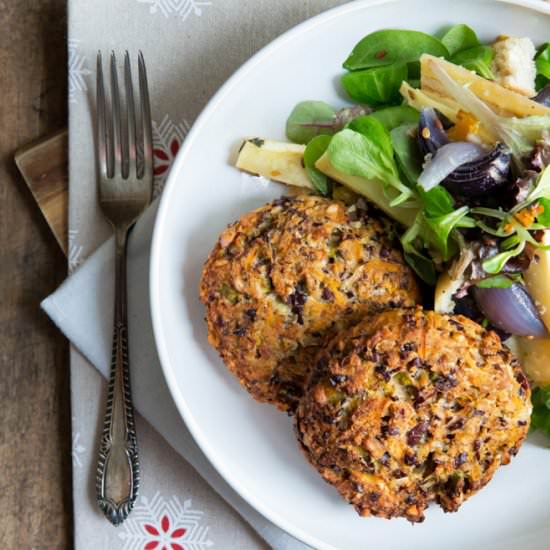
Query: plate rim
x=160, y=227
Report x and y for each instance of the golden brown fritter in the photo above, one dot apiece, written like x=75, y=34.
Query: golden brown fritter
x=409, y=407
x=286, y=275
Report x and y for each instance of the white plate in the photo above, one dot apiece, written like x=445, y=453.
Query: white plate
x=252, y=445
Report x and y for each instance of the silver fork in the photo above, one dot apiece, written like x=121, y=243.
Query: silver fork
x=125, y=182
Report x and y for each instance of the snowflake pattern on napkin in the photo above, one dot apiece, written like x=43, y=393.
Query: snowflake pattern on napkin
x=77, y=70
x=165, y=525
x=75, y=250
x=77, y=450
x=176, y=8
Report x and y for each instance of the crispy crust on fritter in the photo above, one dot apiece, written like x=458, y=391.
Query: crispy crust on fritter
x=409, y=407
x=284, y=277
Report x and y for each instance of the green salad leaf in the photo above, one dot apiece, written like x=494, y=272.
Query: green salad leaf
x=442, y=226
x=406, y=151
x=531, y=128
x=391, y=46
x=500, y=281
x=392, y=117
x=465, y=49
x=309, y=119
x=541, y=190
x=434, y=231
x=413, y=70
x=499, y=214
x=542, y=187
x=544, y=217
x=494, y=264
x=437, y=201
x=421, y=265
x=459, y=37
x=516, y=236
x=314, y=151
x=542, y=61
x=360, y=124
x=368, y=154
x=540, y=417
x=478, y=59
x=376, y=86
x=413, y=252
x=435, y=227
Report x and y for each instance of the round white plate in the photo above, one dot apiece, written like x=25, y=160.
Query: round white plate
x=252, y=445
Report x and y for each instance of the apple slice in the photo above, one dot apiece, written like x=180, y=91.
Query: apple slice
x=534, y=353
x=445, y=289
x=372, y=190
x=422, y=99
x=537, y=279
x=503, y=101
x=275, y=160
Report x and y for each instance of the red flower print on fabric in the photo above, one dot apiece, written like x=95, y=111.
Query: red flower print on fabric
x=164, y=159
x=165, y=537
x=165, y=524
x=167, y=139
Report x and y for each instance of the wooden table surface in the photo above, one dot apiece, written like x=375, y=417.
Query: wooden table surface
x=35, y=418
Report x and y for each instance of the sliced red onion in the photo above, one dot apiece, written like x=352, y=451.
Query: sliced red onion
x=446, y=160
x=512, y=310
x=543, y=96
x=431, y=133
x=483, y=176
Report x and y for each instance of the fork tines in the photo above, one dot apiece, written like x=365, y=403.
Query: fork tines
x=124, y=141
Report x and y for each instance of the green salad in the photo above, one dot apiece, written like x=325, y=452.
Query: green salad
x=449, y=137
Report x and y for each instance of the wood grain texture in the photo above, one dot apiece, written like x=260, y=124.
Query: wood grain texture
x=35, y=457
x=43, y=165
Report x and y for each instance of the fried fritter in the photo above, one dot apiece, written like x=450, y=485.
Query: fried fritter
x=285, y=276
x=410, y=407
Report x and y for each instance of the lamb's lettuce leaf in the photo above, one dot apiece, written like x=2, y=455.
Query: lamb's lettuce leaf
x=314, y=151
x=369, y=154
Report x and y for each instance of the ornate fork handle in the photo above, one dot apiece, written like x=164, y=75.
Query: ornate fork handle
x=117, y=481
